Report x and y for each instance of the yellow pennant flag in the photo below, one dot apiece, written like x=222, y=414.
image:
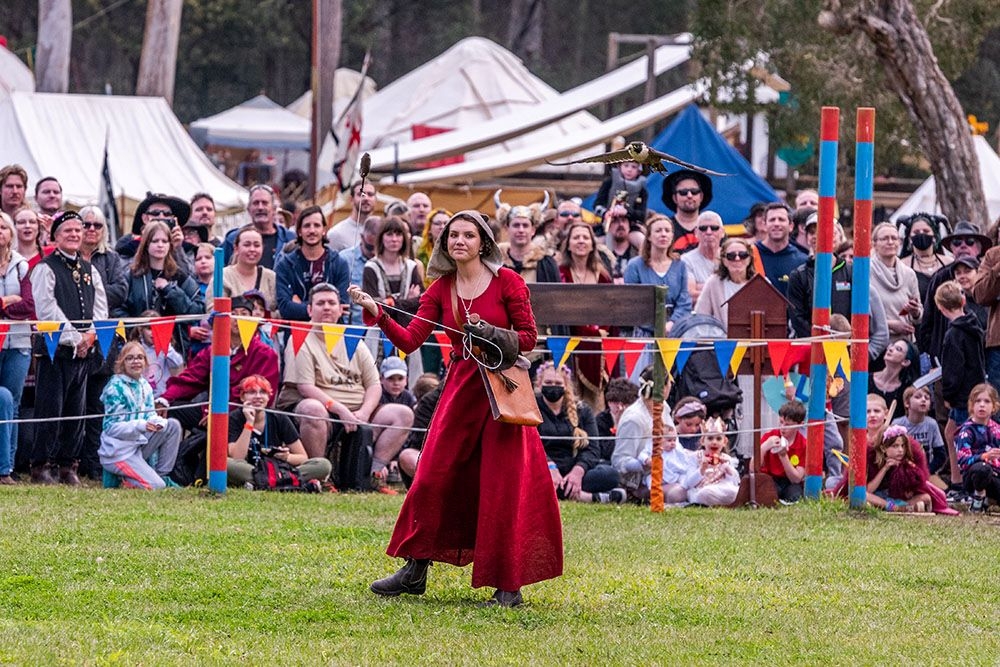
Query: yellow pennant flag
x=834, y=351
x=48, y=327
x=570, y=346
x=247, y=329
x=120, y=329
x=332, y=333
x=668, y=350
x=738, y=354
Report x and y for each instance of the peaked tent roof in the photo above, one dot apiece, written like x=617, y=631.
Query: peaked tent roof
x=345, y=84
x=257, y=123
x=691, y=138
x=473, y=81
x=14, y=74
x=148, y=149
x=924, y=198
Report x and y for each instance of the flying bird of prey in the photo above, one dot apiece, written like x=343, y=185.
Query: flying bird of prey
x=650, y=159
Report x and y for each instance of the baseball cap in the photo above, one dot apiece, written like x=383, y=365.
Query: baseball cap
x=393, y=366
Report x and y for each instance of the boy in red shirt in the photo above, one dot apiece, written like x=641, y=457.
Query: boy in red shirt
x=783, y=452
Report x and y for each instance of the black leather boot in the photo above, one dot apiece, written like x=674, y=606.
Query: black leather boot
x=68, y=476
x=411, y=578
x=40, y=474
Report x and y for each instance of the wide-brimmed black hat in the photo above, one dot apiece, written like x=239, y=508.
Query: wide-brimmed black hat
x=963, y=229
x=180, y=208
x=673, y=178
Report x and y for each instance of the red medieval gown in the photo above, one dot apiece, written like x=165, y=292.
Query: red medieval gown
x=482, y=492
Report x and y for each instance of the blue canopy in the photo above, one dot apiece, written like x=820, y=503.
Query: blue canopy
x=691, y=138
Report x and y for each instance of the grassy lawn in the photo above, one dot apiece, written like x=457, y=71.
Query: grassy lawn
x=120, y=577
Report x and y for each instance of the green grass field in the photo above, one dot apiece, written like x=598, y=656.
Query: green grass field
x=122, y=577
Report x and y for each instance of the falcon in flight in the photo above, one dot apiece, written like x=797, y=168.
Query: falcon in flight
x=650, y=159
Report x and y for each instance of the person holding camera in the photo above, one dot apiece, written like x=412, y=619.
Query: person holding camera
x=173, y=212
x=253, y=434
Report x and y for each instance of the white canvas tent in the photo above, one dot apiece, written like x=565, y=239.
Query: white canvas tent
x=14, y=75
x=556, y=148
x=257, y=123
x=149, y=150
x=345, y=84
x=924, y=198
x=470, y=83
x=531, y=118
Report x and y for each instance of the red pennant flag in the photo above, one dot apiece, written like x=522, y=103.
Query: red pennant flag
x=799, y=354
x=778, y=350
x=4, y=328
x=442, y=339
x=633, y=350
x=299, y=333
x=612, y=348
x=163, y=330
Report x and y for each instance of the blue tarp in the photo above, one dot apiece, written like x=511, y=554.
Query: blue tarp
x=691, y=138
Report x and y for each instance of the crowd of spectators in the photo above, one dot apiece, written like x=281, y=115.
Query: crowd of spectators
x=123, y=413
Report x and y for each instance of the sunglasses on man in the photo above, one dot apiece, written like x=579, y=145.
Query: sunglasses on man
x=568, y=214
x=966, y=241
x=683, y=192
x=708, y=228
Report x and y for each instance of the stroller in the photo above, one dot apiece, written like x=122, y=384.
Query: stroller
x=702, y=377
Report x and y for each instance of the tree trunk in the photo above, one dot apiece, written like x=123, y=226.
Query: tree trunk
x=55, y=36
x=158, y=63
x=904, y=49
x=524, y=30
x=326, y=41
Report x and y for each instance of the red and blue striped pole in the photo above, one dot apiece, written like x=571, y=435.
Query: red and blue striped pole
x=829, y=135
x=218, y=407
x=864, y=174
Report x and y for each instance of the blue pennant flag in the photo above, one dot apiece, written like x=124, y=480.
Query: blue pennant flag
x=683, y=354
x=557, y=345
x=52, y=340
x=106, y=332
x=724, y=350
x=353, y=336
x=387, y=346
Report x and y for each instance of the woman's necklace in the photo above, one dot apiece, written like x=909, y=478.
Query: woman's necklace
x=581, y=278
x=475, y=292
x=929, y=263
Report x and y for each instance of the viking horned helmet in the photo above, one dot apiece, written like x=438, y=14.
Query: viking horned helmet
x=533, y=212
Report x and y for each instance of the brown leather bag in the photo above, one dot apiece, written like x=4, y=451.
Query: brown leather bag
x=757, y=489
x=511, y=396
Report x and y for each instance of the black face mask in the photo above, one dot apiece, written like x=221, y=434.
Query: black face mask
x=922, y=241
x=553, y=393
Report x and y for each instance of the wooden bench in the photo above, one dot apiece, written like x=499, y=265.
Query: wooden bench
x=604, y=305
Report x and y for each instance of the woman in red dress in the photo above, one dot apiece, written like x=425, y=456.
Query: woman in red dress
x=482, y=492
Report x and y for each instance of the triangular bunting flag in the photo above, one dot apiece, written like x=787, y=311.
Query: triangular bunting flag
x=299, y=332
x=105, y=332
x=724, y=350
x=612, y=349
x=633, y=351
x=52, y=331
x=798, y=355
x=442, y=339
x=738, y=354
x=802, y=388
x=387, y=346
x=832, y=351
x=668, y=350
x=558, y=346
x=845, y=361
x=353, y=336
x=4, y=328
x=332, y=333
x=120, y=330
x=163, y=330
x=247, y=329
x=777, y=350
x=687, y=347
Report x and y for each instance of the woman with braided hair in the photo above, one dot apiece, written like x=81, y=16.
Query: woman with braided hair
x=566, y=428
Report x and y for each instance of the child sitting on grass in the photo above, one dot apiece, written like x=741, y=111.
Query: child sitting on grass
x=978, y=445
x=917, y=401
x=783, y=452
x=713, y=479
x=897, y=473
x=133, y=434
